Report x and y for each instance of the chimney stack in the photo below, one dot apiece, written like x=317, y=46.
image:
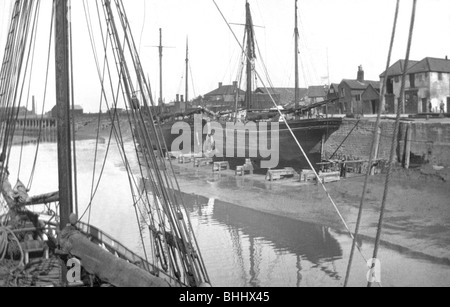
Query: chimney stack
x=360, y=74
x=220, y=84
x=178, y=98
x=182, y=98
x=446, y=57
x=235, y=84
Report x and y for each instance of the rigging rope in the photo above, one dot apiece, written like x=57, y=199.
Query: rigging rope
x=30, y=182
x=372, y=150
x=397, y=125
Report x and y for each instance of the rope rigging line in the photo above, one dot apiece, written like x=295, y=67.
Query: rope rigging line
x=129, y=86
x=393, y=147
x=15, y=70
x=28, y=97
x=30, y=182
x=301, y=149
x=72, y=97
x=372, y=150
x=167, y=197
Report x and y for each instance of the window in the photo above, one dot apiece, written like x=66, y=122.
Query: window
x=412, y=80
x=397, y=79
x=343, y=92
x=440, y=76
x=358, y=97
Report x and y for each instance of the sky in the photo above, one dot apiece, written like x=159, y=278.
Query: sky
x=336, y=36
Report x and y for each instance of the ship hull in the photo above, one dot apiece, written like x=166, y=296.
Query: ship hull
x=309, y=133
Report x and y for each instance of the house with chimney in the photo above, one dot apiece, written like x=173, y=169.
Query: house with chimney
x=427, y=86
x=351, y=91
x=394, y=78
x=316, y=94
x=224, y=97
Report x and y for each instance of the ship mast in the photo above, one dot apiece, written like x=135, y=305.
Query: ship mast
x=63, y=110
x=250, y=56
x=160, y=68
x=187, y=70
x=296, y=55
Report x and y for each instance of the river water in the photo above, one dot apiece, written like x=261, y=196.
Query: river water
x=241, y=247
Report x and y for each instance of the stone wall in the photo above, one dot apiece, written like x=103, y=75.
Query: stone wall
x=356, y=144
x=430, y=141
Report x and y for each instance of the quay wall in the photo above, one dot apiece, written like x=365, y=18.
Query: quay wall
x=353, y=140
x=430, y=141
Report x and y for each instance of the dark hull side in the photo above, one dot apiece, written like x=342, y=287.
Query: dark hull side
x=309, y=133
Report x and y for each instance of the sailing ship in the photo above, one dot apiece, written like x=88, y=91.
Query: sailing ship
x=43, y=241
x=311, y=132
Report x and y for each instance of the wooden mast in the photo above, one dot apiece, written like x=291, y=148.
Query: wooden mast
x=187, y=70
x=249, y=30
x=296, y=56
x=160, y=68
x=63, y=110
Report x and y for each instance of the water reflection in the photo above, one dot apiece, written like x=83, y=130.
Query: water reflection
x=255, y=235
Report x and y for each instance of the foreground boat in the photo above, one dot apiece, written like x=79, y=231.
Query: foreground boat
x=43, y=241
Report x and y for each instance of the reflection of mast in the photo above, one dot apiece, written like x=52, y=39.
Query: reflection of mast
x=254, y=269
x=236, y=241
x=299, y=271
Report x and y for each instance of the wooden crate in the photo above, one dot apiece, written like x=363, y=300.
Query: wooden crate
x=330, y=177
x=242, y=170
x=199, y=162
x=307, y=175
x=277, y=174
x=221, y=166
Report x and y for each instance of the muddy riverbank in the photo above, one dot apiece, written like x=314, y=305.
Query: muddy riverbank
x=417, y=219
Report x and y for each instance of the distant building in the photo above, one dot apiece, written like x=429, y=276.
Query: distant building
x=333, y=93
x=283, y=96
x=224, y=97
x=21, y=112
x=370, y=100
x=77, y=111
x=117, y=111
x=394, y=75
x=316, y=94
x=427, y=82
x=350, y=93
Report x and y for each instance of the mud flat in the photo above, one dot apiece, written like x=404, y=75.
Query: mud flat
x=417, y=220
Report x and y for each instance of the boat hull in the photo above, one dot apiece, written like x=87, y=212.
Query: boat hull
x=309, y=133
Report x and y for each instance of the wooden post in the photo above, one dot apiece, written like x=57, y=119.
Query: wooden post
x=408, y=145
